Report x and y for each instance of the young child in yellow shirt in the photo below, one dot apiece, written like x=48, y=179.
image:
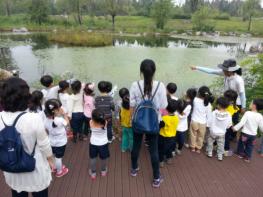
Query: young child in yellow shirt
x=168, y=127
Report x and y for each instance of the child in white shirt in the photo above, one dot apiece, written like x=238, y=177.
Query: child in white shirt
x=201, y=111
x=63, y=94
x=50, y=91
x=250, y=122
x=55, y=124
x=98, y=143
x=218, y=123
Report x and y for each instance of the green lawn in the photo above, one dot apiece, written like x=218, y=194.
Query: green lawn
x=126, y=24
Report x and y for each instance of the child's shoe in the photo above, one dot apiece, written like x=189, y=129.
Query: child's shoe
x=134, y=172
x=157, y=182
x=186, y=145
x=178, y=152
x=220, y=157
x=174, y=153
x=228, y=153
x=104, y=173
x=161, y=164
x=92, y=175
x=239, y=156
x=210, y=155
x=247, y=160
x=169, y=161
x=193, y=150
x=63, y=172
x=198, y=151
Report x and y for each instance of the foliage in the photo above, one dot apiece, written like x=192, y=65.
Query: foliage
x=161, y=12
x=179, y=13
x=39, y=11
x=249, y=10
x=201, y=20
x=222, y=16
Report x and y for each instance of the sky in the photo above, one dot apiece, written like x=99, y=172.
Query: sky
x=180, y=2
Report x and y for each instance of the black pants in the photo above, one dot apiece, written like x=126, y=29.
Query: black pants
x=180, y=139
x=153, y=149
x=165, y=147
x=43, y=193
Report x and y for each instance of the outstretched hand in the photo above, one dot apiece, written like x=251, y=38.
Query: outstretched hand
x=193, y=67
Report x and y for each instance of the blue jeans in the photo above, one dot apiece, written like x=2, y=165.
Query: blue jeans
x=153, y=149
x=245, y=145
x=180, y=139
x=77, y=121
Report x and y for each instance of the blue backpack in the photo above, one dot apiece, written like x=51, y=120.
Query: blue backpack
x=145, y=118
x=13, y=158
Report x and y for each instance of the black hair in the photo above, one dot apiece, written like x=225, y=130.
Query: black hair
x=46, y=80
x=98, y=117
x=126, y=102
x=109, y=87
x=123, y=92
x=222, y=102
x=50, y=106
x=14, y=95
x=258, y=103
x=171, y=88
x=103, y=87
x=231, y=95
x=204, y=93
x=76, y=87
x=181, y=105
x=172, y=106
x=63, y=85
x=239, y=71
x=87, y=90
x=148, y=69
x=191, y=93
x=35, y=101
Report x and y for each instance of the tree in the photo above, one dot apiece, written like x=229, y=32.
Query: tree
x=249, y=10
x=161, y=12
x=201, y=19
x=7, y=6
x=39, y=11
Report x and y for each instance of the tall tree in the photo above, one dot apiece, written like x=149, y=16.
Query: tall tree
x=161, y=12
x=39, y=11
x=7, y=6
x=249, y=10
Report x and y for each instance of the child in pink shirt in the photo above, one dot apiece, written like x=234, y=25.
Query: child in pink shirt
x=88, y=105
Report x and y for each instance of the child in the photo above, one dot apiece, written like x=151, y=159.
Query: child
x=231, y=95
x=218, y=123
x=75, y=110
x=201, y=111
x=250, y=122
x=35, y=104
x=183, y=111
x=125, y=119
x=88, y=105
x=105, y=103
x=63, y=94
x=189, y=97
x=55, y=124
x=98, y=143
x=50, y=91
x=171, y=90
x=167, y=134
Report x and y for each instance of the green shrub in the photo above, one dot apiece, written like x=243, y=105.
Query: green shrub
x=222, y=16
x=202, y=21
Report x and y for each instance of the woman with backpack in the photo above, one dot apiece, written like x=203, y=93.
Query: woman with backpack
x=35, y=150
x=147, y=96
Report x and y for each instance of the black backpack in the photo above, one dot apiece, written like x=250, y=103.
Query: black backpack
x=13, y=157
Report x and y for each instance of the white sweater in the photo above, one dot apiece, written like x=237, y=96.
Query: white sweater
x=201, y=112
x=219, y=122
x=183, y=123
x=250, y=123
x=31, y=128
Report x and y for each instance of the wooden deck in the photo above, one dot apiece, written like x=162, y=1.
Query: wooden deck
x=191, y=175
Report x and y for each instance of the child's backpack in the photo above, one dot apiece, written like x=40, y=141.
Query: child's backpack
x=145, y=118
x=13, y=157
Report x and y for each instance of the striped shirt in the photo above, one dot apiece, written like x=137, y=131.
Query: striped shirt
x=106, y=104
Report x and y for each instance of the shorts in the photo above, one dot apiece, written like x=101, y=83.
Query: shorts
x=58, y=151
x=101, y=151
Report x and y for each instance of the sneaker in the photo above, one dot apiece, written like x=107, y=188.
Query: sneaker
x=92, y=175
x=210, y=155
x=220, y=157
x=198, y=151
x=54, y=170
x=134, y=172
x=247, y=160
x=63, y=172
x=193, y=150
x=161, y=164
x=228, y=153
x=239, y=156
x=157, y=182
x=186, y=145
x=104, y=173
x=174, y=153
x=178, y=152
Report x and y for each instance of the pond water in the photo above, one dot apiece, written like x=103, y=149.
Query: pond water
x=119, y=63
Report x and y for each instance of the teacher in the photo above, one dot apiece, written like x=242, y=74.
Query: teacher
x=149, y=86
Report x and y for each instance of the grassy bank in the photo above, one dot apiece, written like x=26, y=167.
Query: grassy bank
x=125, y=24
x=81, y=39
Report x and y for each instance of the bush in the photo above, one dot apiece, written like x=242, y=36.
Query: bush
x=201, y=20
x=181, y=16
x=222, y=16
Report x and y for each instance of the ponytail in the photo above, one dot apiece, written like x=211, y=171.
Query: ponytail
x=204, y=93
x=148, y=69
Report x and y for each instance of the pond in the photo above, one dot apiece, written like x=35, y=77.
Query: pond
x=34, y=56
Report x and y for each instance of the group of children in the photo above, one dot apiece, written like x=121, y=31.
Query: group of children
x=189, y=121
